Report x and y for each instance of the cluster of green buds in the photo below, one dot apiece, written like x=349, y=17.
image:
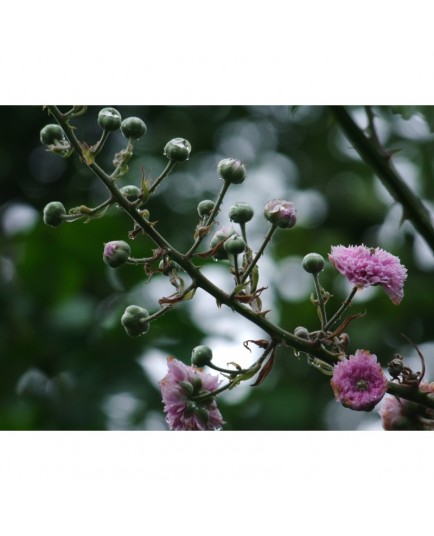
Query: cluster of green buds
x=61, y=138
x=228, y=243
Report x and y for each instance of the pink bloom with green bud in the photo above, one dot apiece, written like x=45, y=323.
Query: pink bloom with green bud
x=359, y=382
x=364, y=267
x=181, y=388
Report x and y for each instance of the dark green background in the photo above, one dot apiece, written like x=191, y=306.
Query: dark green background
x=65, y=361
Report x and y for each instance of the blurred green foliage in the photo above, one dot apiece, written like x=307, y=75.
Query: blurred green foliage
x=67, y=364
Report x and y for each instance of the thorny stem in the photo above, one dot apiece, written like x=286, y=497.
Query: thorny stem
x=379, y=161
x=372, y=130
x=411, y=393
x=276, y=333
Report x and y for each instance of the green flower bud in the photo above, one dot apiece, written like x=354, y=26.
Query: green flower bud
x=134, y=321
x=177, y=150
x=133, y=128
x=190, y=408
x=234, y=245
x=201, y=356
x=50, y=133
x=241, y=213
x=53, y=214
x=204, y=208
x=131, y=192
x=187, y=388
x=219, y=236
x=313, y=263
x=301, y=332
x=116, y=253
x=202, y=414
x=109, y=119
x=196, y=382
x=231, y=170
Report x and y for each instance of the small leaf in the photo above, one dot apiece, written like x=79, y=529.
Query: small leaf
x=262, y=343
x=266, y=369
x=87, y=154
x=189, y=295
x=201, y=231
x=212, y=251
x=344, y=324
x=245, y=376
x=240, y=287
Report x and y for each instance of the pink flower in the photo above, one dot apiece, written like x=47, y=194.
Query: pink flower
x=179, y=388
x=359, y=382
x=401, y=414
x=364, y=267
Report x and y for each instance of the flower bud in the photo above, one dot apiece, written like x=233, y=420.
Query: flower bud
x=116, y=253
x=395, y=366
x=134, y=321
x=187, y=387
x=133, y=128
x=51, y=133
x=301, y=332
x=177, y=150
x=197, y=384
x=241, y=213
x=204, y=208
x=231, y=170
x=201, y=356
x=53, y=214
x=234, y=245
x=202, y=414
x=130, y=192
x=109, y=119
x=220, y=236
x=313, y=263
x=280, y=213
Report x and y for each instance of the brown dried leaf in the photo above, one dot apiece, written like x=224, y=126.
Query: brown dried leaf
x=265, y=371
